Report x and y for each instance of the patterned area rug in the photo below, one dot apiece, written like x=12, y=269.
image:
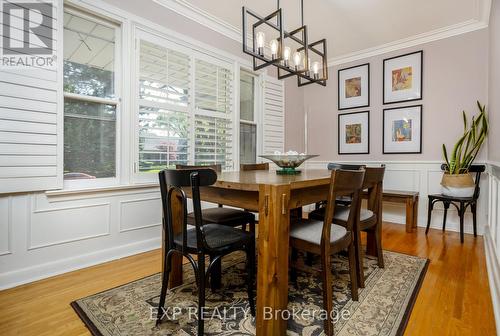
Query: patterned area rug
x=383, y=308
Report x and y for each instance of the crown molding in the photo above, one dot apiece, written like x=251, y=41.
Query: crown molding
x=433, y=35
x=184, y=8
x=481, y=12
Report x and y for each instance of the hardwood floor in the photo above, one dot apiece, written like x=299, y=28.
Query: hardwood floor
x=454, y=298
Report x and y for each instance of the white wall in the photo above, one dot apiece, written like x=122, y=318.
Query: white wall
x=492, y=232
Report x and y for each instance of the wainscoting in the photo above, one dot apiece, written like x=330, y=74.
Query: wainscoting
x=42, y=235
x=492, y=237
x=424, y=177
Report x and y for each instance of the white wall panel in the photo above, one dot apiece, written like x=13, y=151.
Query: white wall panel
x=5, y=225
x=64, y=225
x=140, y=213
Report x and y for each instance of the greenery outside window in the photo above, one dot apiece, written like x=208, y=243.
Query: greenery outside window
x=91, y=102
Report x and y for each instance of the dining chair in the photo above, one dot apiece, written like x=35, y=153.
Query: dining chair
x=223, y=216
x=369, y=219
x=204, y=239
x=324, y=238
x=460, y=203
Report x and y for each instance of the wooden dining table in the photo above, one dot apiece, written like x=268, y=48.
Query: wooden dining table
x=272, y=196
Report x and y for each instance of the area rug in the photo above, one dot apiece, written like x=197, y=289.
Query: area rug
x=383, y=308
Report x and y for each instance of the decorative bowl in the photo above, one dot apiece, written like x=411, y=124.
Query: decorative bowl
x=288, y=162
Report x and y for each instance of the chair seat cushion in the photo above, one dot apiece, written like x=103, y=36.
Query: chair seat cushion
x=224, y=216
x=311, y=230
x=216, y=236
x=341, y=214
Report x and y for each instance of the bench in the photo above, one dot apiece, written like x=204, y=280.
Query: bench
x=410, y=199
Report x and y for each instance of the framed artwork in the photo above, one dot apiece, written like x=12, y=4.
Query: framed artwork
x=354, y=133
x=402, y=133
x=403, y=78
x=354, y=87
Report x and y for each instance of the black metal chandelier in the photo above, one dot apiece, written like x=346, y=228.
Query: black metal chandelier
x=308, y=61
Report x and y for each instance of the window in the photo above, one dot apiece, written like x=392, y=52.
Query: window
x=248, y=124
x=164, y=91
x=213, y=115
x=185, y=107
x=90, y=97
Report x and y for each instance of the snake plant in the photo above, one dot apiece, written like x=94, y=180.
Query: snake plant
x=468, y=146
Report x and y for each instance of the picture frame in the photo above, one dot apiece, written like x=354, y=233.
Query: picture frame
x=403, y=78
x=354, y=87
x=354, y=133
x=402, y=130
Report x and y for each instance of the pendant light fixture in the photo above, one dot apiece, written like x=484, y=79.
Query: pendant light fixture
x=307, y=61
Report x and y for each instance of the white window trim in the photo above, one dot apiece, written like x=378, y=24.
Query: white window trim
x=116, y=101
x=258, y=110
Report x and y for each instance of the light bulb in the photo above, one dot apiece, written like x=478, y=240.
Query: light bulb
x=297, y=57
x=307, y=65
x=274, y=48
x=315, y=68
x=261, y=39
x=286, y=55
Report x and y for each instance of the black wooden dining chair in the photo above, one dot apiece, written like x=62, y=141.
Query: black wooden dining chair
x=205, y=239
x=223, y=216
x=460, y=203
x=324, y=238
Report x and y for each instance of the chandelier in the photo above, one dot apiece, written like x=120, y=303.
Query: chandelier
x=308, y=61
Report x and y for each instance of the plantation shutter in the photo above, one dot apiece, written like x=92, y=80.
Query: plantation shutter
x=164, y=93
x=213, y=126
x=274, y=116
x=30, y=117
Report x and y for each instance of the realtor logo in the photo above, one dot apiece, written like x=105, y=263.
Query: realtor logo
x=27, y=33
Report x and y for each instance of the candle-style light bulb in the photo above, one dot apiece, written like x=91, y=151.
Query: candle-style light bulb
x=286, y=55
x=274, y=48
x=315, y=69
x=261, y=40
x=307, y=66
x=297, y=58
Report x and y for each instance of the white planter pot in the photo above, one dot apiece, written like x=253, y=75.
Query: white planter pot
x=458, y=185
x=458, y=192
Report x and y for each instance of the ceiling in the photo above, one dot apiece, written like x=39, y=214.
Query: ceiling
x=351, y=26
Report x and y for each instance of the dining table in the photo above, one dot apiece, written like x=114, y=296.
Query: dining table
x=272, y=196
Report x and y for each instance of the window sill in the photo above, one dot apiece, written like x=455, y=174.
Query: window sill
x=96, y=191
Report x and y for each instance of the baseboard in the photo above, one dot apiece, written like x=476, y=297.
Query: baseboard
x=493, y=266
x=38, y=272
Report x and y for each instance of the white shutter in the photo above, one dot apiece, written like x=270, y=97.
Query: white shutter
x=213, y=114
x=31, y=125
x=273, y=124
x=164, y=91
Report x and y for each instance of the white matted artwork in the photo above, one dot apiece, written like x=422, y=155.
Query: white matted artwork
x=354, y=87
x=402, y=132
x=354, y=133
x=403, y=78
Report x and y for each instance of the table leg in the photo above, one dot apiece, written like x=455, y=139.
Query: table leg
x=409, y=214
x=176, y=269
x=273, y=248
x=415, y=213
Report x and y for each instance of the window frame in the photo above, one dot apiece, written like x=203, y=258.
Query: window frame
x=116, y=101
x=258, y=109
x=194, y=55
